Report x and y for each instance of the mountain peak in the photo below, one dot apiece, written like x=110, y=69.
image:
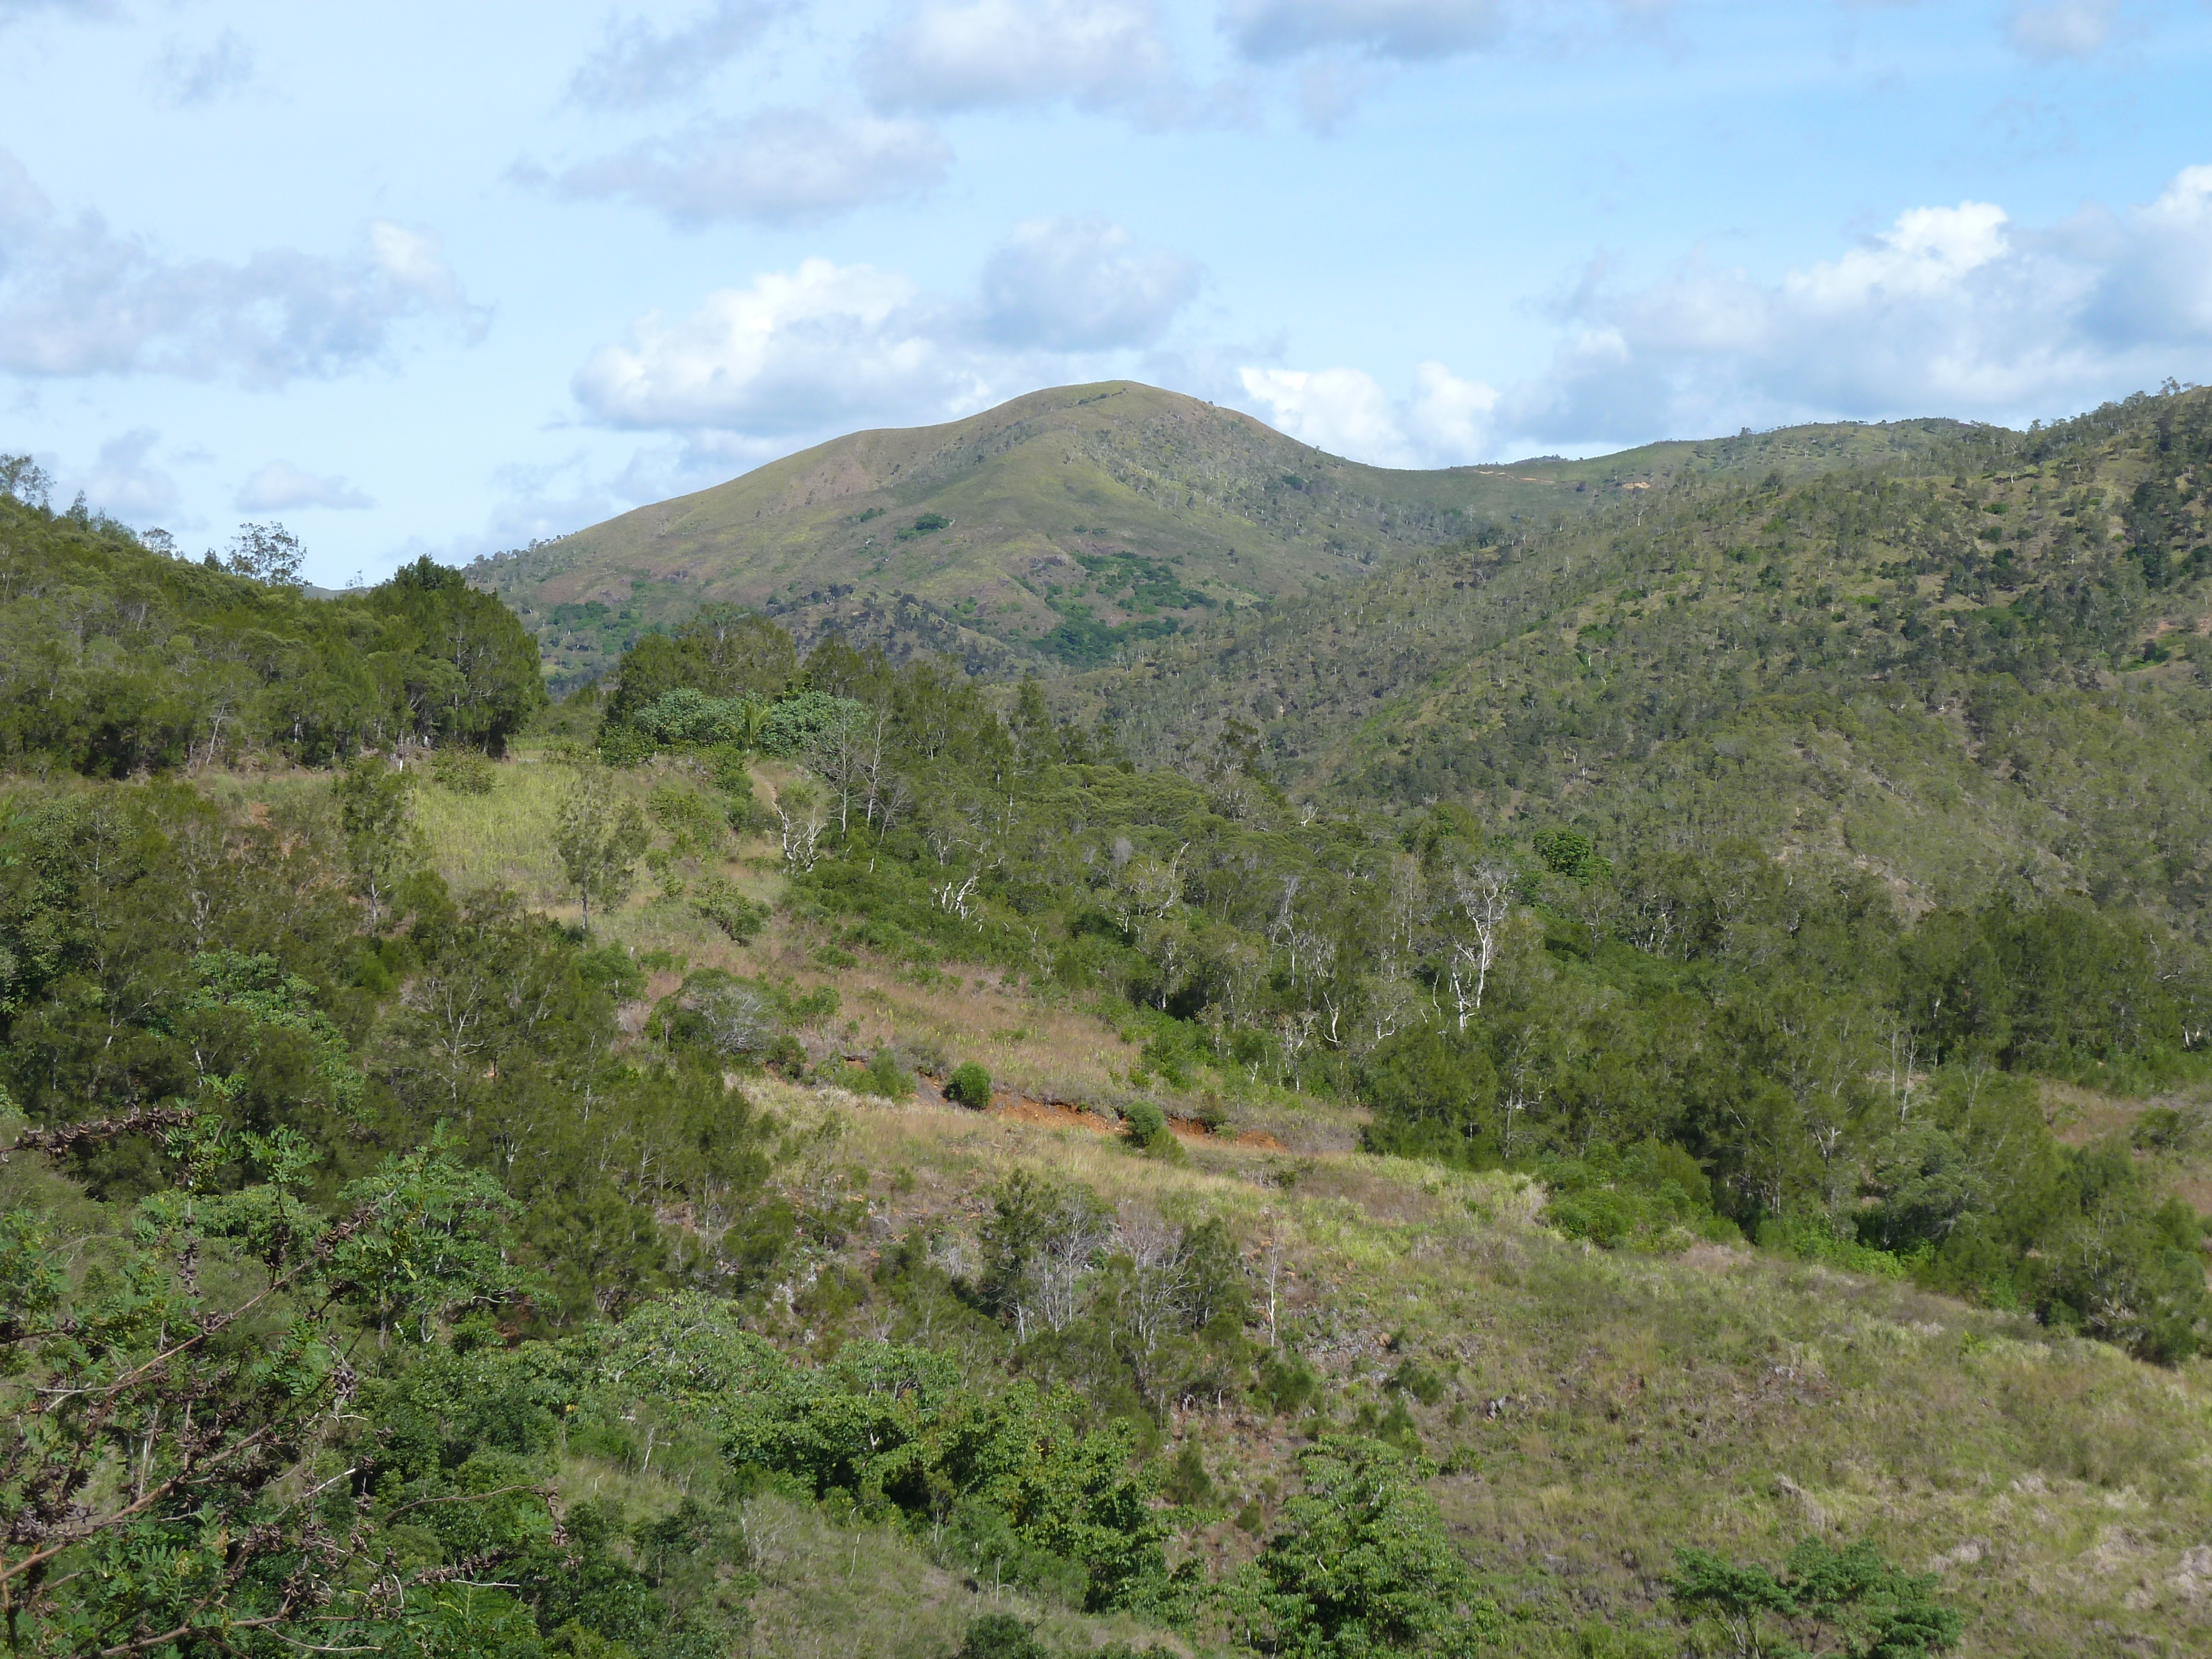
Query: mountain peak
x=1065, y=527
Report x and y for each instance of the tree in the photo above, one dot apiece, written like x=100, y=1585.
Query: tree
x=167, y=1449
x=22, y=479
x=599, y=836
x=1362, y=1565
x=469, y=667
x=1485, y=896
x=376, y=812
x=265, y=553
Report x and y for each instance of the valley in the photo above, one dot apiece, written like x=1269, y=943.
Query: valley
x=1592, y=1071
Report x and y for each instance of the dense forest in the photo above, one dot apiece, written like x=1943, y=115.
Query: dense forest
x=1998, y=636
x=113, y=662
x=392, y=1265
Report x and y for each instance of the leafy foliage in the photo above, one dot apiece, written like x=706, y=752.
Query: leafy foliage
x=1852, y=1596
x=115, y=658
x=1360, y=1564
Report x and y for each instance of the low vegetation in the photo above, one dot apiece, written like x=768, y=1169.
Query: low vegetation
x=796, y=1152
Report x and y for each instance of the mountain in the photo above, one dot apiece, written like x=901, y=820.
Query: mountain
x=1983, y=665
x=1067, y=526
x=1706, y=1056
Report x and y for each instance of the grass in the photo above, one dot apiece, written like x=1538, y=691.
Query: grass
x=1601, y=1410
x=1045, y=1048
x=1076, y=470
x=1597, y=1411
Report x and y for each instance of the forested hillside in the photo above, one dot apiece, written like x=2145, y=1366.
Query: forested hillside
x=1070, y=526
x=115, y=658
x=795, y=1150
x=1980, y=674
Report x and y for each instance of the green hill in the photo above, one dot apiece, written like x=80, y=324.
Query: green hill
x=1070, y=526
x=1983, y=667
x=1367, y=1231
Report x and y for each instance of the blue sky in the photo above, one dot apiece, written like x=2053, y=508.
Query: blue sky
x=440, y=279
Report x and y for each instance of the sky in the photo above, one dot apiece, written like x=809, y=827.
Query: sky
x=442, y=279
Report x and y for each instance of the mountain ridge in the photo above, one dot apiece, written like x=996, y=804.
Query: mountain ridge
x=1067, y=526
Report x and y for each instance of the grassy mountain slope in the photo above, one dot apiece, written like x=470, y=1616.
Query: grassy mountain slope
x=1068, y=525
x=1590, y=1411
x=1981, y=668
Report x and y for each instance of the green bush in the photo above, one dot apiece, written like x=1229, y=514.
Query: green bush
x=622, y=744
x=718, y=900
x=1002, y=1636
x=1146, y=1126
x=1878, y=1611
x=1808, y=1238
x=1187, y=1482
x=1360, y=1564
x=969, y=1085
x=886, y=1076
x=2159, y=1129
x=463, y=771
x=1652, y=1195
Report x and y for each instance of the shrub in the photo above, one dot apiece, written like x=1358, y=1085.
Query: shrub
x=1288, y=1384
x=2159, y=1129
x=886, y=1076
x=1361, y=1563
x=622, y=744
x=1651, y=1195
x=1002, y=1636
x=1146, y=1126
x=1187, y=1482
x=1878, y=1611
x=721, y=902
x=463, y=771
x=969, y=1085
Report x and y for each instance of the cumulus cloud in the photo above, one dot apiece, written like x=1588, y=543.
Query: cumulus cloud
x=2062, y=28
x=968, y=54
x=281, y=487
x=781, y=166
x=636, y=64
x=216, y=71
x=794, y=350
x=826, y=346
x=1077, y=285
x=1952, y=310
x=124, y=482
x=77, y=298
x=1445, y=422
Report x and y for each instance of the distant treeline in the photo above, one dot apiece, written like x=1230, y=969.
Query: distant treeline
x=115, y=658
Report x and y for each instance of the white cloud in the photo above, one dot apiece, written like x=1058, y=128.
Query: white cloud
x=1346, y=412
x=2062, y=28
x=126, y=485
x=1076, y=285
x=1410, y=31
x=826, y=347
x=77, y=299
x=796, y=350
x=281, y=487
x=1957, y=311
x=636, y=64
x=218, y=69
x=969, y=54
x=787, y=167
